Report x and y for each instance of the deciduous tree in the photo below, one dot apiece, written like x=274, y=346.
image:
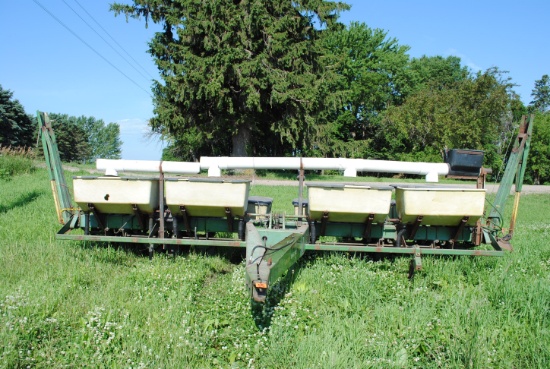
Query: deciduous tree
x=103, y=140
x=85, y=139
x=367, y=62
x=538, y=162
x=434, y=72
x=471, y=114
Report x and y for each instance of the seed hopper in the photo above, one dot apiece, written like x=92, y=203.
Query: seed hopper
x=173, y=207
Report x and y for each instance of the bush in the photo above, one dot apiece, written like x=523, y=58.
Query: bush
x=14, y=161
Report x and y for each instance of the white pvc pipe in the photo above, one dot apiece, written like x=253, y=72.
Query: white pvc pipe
x=149, y=166
x=214, y=165
x=349, y=166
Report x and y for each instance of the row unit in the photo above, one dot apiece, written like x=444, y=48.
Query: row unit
x=334, y=202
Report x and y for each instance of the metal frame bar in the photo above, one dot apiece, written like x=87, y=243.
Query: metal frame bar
x=154, y=241
x=400, y=250
x=308, y=246
x=61, y=195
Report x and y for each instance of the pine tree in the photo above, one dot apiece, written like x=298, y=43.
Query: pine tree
x=16, y=128
x=239, y=77
x=541, y=94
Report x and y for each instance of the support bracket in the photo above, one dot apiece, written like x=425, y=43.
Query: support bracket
x=415, y=226
x=97, y=216
x=138, y=215
x=186, y=219
x=416, y=263
x=368, y=226
x=324, y=221
x=459, y=230
x=229, y=217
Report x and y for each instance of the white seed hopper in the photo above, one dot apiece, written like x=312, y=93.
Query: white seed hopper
x=439, y=206
x=116, y=195
x=351, y=203
x=207, y=197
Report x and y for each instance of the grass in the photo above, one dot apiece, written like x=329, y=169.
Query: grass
x=72, y=304
x=337, y=176
x=14, y=161
x=282, y=195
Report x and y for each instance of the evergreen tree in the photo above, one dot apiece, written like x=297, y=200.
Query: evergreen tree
x=70, y=137
x=16, y=128
x=541, y=94
x=238, y=77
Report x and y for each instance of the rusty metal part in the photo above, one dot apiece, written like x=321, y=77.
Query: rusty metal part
x=186, y=219
x=324, y=221
x=229, y=218
x=415, y=226
x=138, y=216
x=368, y=225
x=459, y=230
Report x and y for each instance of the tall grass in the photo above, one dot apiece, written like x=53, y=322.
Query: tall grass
x=73, y=304
x=14, y=161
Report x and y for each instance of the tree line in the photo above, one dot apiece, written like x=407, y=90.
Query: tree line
x=79, y=139
x=279, y=78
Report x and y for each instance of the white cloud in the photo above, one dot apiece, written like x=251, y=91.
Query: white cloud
x=137, y=141
x=465, y=59
x=133, y=126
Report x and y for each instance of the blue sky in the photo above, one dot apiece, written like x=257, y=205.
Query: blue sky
x=48, y=68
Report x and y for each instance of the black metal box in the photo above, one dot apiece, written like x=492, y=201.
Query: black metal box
x=464, y=163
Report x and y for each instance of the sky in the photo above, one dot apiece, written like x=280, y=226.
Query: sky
x=54, y=57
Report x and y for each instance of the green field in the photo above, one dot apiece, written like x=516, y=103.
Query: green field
x=75, y=304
